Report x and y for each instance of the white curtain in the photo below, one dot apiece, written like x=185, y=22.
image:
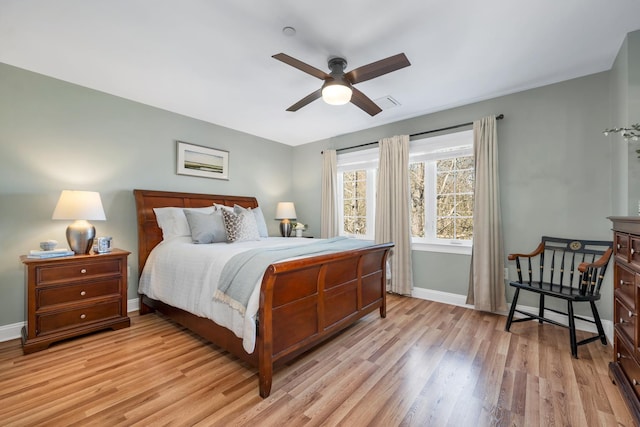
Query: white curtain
x=486, y=278
x=329, y=209
x=393, y=216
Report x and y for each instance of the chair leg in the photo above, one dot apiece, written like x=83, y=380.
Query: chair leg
x=572, y=330
x=541, y=309
x=596, y=317
x=514, y=302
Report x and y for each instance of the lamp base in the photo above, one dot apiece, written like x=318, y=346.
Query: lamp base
x=285, y=228
x=80, y=236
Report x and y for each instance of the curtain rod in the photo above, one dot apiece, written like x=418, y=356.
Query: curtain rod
x=498, y=117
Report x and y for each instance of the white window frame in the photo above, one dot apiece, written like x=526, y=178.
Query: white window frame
x=457, y=144
x=428, y=150
x=347, y=162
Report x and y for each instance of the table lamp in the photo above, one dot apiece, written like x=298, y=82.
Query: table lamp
x=80, y=206
x=285, y=211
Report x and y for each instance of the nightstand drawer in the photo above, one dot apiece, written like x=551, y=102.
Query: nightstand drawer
x=72, y=293
x=77, y=271
x=54, y=322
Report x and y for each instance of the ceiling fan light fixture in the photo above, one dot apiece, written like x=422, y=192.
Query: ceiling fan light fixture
x=336, y=93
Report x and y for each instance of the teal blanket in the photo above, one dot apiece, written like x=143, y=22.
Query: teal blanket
x=241, y=273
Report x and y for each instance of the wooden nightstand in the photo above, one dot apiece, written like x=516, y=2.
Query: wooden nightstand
x=71, y=296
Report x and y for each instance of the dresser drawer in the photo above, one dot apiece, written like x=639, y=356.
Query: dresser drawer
x=624, y=286
x=634, y=250
x=621, y=246
x=629, y=365
x=48, y=323
x=625, y=320
x=73, y=293
x=77, y=271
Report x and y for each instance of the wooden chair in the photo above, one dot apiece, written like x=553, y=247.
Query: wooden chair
x=566, y=269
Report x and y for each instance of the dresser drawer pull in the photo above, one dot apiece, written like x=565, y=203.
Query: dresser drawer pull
x=83, y=271
x=622, y=321
x=83, y=316
x=83, y=293
x=631, y=314
x=618, y=246
x=633, y=251
x=635, y=382
x=620, y=356
x=623, y=283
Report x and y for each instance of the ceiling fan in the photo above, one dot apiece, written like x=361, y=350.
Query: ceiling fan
x=337, y=88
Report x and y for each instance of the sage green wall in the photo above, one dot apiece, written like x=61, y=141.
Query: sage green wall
x=555, y=172
x=625, y=110
x=632, y=90
x=55, y=136
x=619, y=115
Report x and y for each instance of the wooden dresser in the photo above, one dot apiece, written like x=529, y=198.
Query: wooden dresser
x=624, y=370
x=71, y=296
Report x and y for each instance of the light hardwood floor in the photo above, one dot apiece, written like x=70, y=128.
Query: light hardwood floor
x=426, y=364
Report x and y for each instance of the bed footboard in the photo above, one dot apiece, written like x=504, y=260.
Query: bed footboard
x=308, y=300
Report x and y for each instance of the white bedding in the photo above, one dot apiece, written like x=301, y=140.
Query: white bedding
x=185, y=275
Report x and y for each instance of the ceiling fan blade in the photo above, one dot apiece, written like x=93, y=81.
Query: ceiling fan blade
x=306, y=100
x=301, y=66
x=378, y=68
x=361, y=100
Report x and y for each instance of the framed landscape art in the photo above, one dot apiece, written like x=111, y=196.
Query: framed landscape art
x=202, y=161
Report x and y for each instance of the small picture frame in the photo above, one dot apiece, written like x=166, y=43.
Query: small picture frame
x=196, y=160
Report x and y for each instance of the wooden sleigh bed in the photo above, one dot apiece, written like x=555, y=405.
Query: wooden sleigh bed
x=302, y=302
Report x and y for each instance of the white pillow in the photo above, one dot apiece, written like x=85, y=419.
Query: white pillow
x=257, y=213
x=240, y=227
x=173, y=221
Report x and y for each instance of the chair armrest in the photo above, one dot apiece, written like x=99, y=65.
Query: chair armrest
x=600, y=262
x=538, y=251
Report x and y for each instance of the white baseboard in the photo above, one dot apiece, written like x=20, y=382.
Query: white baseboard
x=13, y=331
x=460, y=300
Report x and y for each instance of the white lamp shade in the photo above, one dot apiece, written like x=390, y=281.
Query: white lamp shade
x=336, y=94
x=74, y=205
x=286, y=210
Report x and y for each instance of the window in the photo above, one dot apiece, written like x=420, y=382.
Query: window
x=441, y=179
x=357, y=193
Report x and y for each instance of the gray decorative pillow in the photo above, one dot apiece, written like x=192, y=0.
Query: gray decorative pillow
x=241, y=226
x=257, y=213
x=206, y=227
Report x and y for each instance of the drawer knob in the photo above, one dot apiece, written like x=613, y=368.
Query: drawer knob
x=83, y=293
x=622, y=321
x=631, y=314
x=633, y=251
x=635, y=382
x=618, y=246
x=84, y=270
x=623, y=283
x=83, y=316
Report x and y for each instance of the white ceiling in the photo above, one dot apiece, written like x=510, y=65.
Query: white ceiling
x=211, y=59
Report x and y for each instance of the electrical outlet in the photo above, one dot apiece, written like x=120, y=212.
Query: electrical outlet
x=506, y=273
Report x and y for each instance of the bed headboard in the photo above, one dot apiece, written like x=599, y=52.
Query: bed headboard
x=149, y=234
